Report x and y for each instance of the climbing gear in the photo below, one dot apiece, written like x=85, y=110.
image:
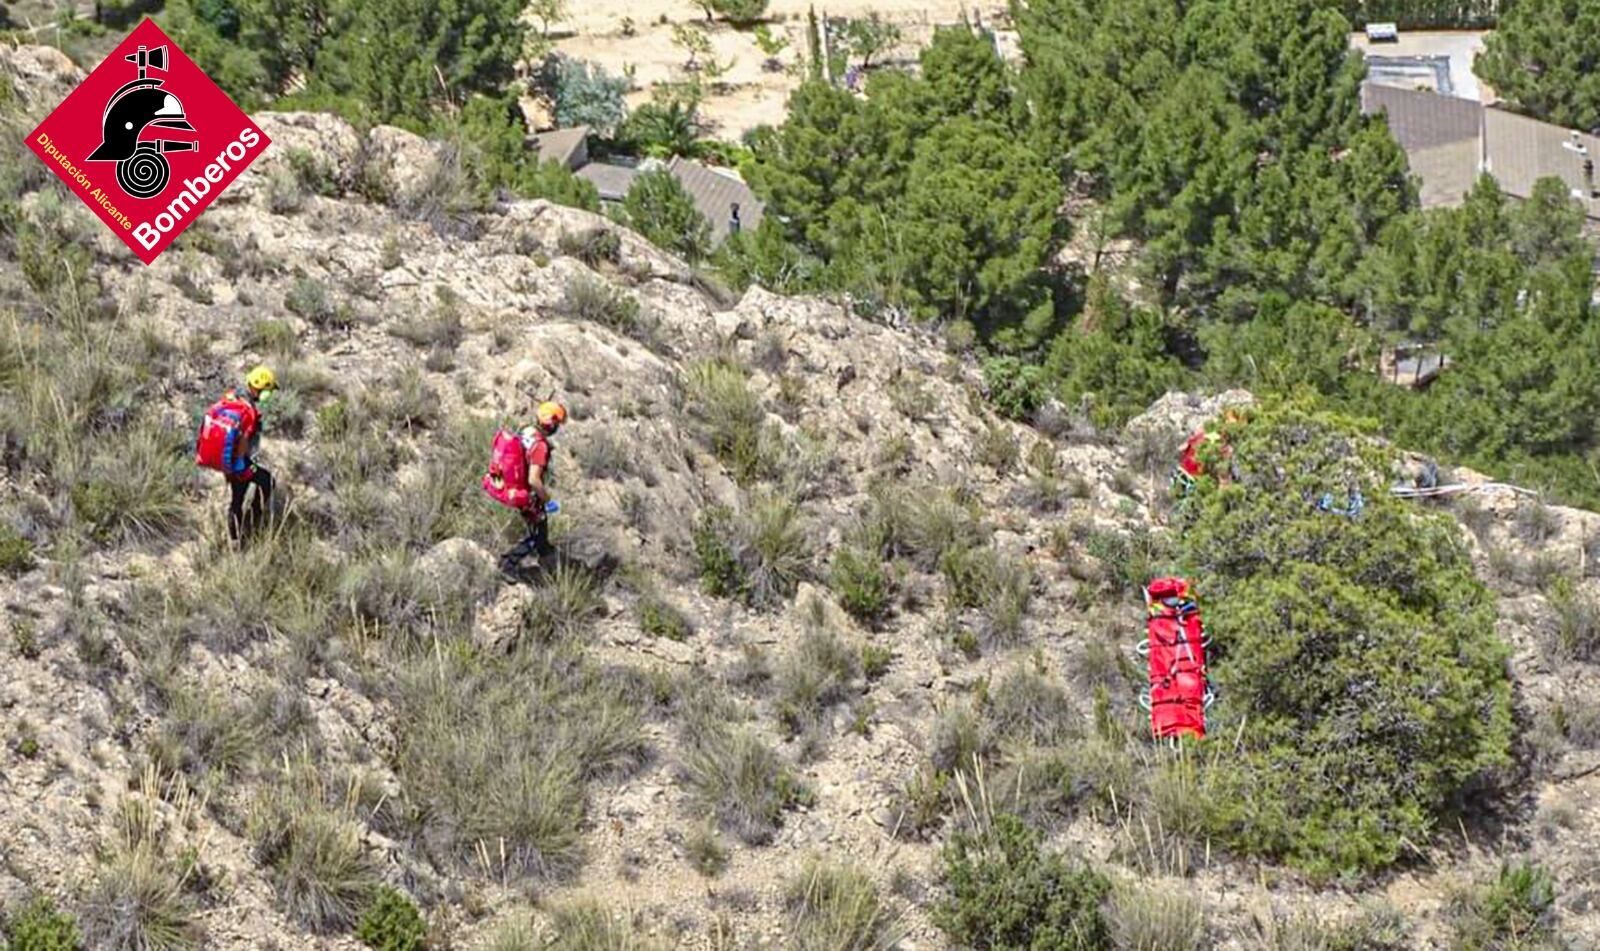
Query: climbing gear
x=225, y=435
x=551, y=415
x=507, y=479
x=261, y=379
x=1354, y=503
x=1175, y=648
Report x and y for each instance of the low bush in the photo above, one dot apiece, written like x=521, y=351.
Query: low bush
x=38, y=926
x=730, y=419
x=310, y=843
x=863, y=586
x=273, y=337
x=1373, y=928
x=500, y=749
x=738, y=780
x=139, y=493
x=759, y=555
x=706, y=852
x=605, y=455
x=1027, y=707
x=1008, y=893
x=392, y=923
x=836, y=908
x=565, y=603
x=592, y=246
x=595, y=300
x=588, y=925
x=206, y=736
x=1535, y=522
x=138, y=899
x=1576, y=629
x=819, y=672
x=16, y=552
x=1000, y=588
x=1385, y=606
x=919, y=523
x=1157, y=917
x=659, y=617
x=1516, y=910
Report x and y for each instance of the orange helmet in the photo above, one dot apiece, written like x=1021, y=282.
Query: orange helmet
x=551, y=415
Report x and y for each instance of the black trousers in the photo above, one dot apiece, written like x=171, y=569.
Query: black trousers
x=262, y=480
x=537, y=540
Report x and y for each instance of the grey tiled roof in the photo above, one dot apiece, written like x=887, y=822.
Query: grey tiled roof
x=612, y=181
x=1448, y=141
x=714, y=192
x=567, y=146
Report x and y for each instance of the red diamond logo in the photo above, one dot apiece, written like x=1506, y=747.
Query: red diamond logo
x=148, y=141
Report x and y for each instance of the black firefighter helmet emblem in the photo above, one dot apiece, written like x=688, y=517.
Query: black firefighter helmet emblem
x=142, y=169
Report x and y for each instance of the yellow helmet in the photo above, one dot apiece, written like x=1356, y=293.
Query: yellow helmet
x=261, y=379
x=551, y=415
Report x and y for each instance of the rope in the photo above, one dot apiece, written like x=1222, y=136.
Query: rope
x=1411, y=492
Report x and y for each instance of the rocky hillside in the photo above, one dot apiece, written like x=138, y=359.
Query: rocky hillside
x=716, y=686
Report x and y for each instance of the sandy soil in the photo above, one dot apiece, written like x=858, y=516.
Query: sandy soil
x=749, y=93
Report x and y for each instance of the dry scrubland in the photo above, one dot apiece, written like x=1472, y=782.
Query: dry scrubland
x=639, y=35
x=720, y=717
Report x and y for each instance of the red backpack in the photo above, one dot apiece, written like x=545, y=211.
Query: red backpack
x=507, y=478
x=225, y=436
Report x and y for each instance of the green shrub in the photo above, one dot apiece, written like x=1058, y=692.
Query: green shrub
x=759, y=555
x=137, y=493
x=706, y=852
x=565, y=603
x=1514, y=912
x=1001, y=588
x=1374, y=928
x=16, y=552
x=310, y=844
x=777, y=551
x=1007, y=892
x=739, y=11
x=605, y=455
x=273, y=337
x=737, y=779
x=592, y=247
x=205, y=735
x=137, y=902
x=309, y=299
x=1384, y=606
x=660, y=618
x=37, y=926
x=1577, y=625
x=730, y=419
x=836, y=908
x=960, y=738
x=392, y=923
x=588, y=925
x=920, y=523
x=1015, y=388
x=1156, y=918
x=594, y=300
x=861, y=583
x=875, y=660
x=1535, y=522
x=819, y=672
x=493, y=749
x=1027, y=707
x=663, y=211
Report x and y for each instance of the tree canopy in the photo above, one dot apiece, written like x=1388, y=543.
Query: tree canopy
x=1365, y=683
x=1544, y=59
